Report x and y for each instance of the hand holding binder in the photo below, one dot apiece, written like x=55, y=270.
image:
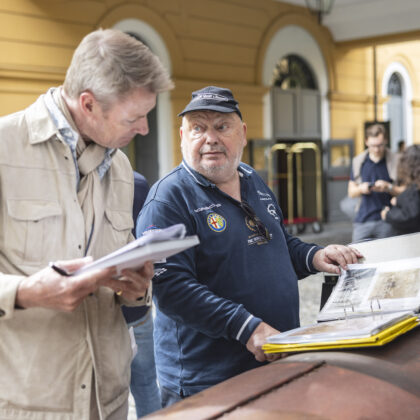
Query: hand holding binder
x=154, y=246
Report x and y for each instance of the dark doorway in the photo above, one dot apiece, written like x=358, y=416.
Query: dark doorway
x=146, y=150
x=143, y=151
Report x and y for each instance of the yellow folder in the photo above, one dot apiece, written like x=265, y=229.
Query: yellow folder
x=378, y=339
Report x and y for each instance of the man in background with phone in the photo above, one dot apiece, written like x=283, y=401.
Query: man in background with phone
x=372, y=178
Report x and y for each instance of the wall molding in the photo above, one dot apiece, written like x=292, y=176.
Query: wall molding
x=34, y=73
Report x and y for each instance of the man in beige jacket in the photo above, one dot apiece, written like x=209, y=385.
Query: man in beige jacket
x=66, y=192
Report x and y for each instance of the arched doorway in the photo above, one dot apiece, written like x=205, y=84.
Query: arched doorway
x=296, y=111
x=294, y=40
x=143, y=150
x=151, y=155
x=396, y=110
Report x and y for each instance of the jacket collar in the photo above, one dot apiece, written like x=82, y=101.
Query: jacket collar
x=196, y=176
x=40, y=125
x=244, y=172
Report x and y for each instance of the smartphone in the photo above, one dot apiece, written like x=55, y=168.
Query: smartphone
x=371, y=185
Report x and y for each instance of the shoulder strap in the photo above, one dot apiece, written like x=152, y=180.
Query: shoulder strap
x=357, y=165
x=392, y=163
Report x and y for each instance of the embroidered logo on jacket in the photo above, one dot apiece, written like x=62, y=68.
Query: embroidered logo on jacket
x=272, y=210
x=264, y=196
x=210, y=207
x=216, y=222
x=255, y=238
x=250, y=224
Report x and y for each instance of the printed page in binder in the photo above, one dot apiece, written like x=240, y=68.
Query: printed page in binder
x=382, y=287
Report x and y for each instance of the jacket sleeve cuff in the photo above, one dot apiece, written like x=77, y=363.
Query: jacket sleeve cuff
x=247, y=328
x=146, y=300
x=310, y=257
x=8, y=289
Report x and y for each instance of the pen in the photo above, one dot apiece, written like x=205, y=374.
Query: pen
x=62, y=272
x=59, y=270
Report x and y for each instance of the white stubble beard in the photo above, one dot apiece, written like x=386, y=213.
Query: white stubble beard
x=215, y=174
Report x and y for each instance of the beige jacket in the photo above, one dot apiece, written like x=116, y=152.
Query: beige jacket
x=47, y=358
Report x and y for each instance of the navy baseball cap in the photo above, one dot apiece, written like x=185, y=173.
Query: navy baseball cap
x=212, y=98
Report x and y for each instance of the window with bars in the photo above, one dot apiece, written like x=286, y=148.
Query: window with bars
x=293, y=72
x=395, y=85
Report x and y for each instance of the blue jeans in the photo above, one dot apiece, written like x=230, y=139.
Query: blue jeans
x=143, y=370
x=169, y=397
x=372, y=230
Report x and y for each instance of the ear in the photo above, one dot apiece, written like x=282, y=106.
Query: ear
x=88, y=104
x=244, y=128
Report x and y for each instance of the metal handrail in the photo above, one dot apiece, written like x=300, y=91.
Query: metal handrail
x=270, y=176
x=298, y=148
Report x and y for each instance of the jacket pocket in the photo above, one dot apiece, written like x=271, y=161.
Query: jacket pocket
x=115, y=232
x=31, y=223
x=120, y=220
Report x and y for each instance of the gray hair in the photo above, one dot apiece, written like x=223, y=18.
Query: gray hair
x=110, y=63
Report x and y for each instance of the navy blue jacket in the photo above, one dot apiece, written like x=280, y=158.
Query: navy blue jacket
x=141, y=188
x=210, y=298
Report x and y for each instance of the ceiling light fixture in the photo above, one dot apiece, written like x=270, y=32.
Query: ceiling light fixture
x=319, y=7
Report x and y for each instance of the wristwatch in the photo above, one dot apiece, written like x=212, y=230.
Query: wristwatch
x=390, y=187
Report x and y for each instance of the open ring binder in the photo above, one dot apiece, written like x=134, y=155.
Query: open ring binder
x=378, y=303
x=370, y=305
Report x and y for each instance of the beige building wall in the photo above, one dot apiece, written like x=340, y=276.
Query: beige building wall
x=220, y=42
x=353, y=102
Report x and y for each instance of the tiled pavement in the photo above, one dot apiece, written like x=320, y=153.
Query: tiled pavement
x=310, y=287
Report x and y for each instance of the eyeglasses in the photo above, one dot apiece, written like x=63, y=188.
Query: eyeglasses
x=259, y=225
x=376, y=146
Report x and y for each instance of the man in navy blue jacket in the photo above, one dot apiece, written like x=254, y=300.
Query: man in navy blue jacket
x=143, y=385
x=218, y=302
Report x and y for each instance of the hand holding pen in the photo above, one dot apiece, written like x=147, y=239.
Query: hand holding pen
x=59, y=270
x=55, y=288
x=133, y=283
